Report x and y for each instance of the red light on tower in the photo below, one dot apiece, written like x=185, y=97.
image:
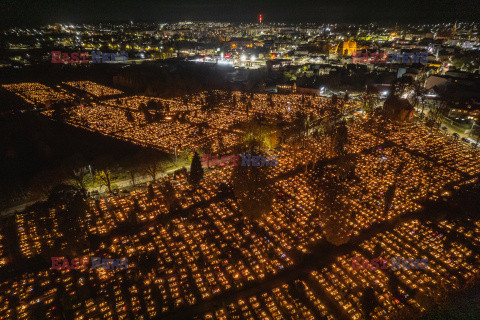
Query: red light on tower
x=260, y=18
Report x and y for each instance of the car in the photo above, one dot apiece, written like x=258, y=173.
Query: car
x=455, y=135
x=465, y=140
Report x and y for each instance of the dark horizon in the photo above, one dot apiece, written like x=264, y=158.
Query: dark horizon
x=35, y=13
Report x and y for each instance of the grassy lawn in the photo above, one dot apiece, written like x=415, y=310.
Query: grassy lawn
x=123, y=174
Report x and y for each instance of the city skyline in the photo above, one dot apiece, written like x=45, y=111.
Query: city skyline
x=279, y=165
x=33, y=12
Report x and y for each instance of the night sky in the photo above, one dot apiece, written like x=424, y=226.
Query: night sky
x=18, y=12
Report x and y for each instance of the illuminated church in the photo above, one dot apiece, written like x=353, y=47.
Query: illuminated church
x=346, y=48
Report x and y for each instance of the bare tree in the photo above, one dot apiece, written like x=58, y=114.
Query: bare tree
x=76, y=169
x=105, y=177
x=441, y=109
x=103, y=172
x=151, y=164
x=419, y=92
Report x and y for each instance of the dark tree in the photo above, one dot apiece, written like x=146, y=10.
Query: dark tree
x=196, y=170
x=132, y=216
x=334, y=99
x=341, y=138
x=76, y=169
x=389, y=196
x=151, y=104
x=70, y=220
x=253, y=190
x=150, y=192
x=369, y=302
x=393, y=284
x=151, y=163
x=103, y=172
x=129, y=116
x=60, y=111
x=169, y=195
x=377, y=250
